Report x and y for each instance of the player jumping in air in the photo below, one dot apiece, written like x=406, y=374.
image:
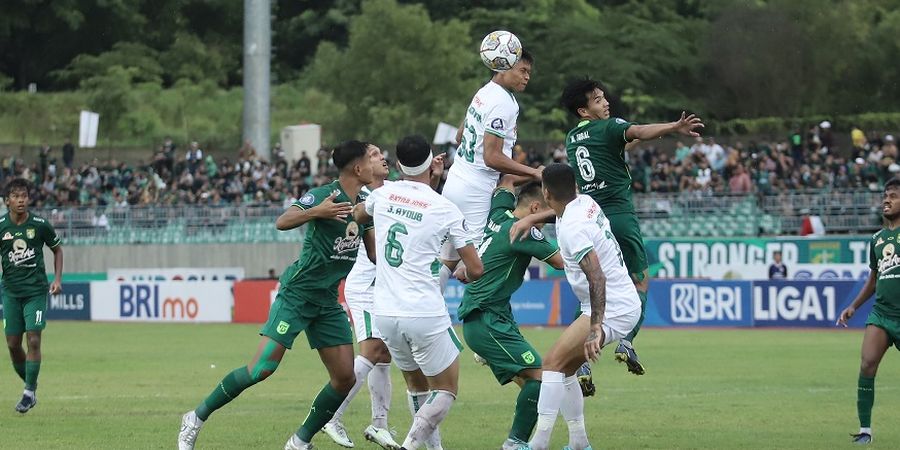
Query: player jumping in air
x=22, y=239
x=307, y=298
x=411, y=220
x=486, y=138
x=596, y=151
x=488, y=323
x=883, y=323
x=610, y=306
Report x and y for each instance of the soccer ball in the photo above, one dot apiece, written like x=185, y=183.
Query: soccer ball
x=500, y=50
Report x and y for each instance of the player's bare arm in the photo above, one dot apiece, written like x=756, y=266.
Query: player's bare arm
x=556, y=261
x=686, y=125
x=519, y=230
x=495, y=159
x=369, y=242
x=437, y=171
x=510, y=181
x=861, y=298
x=459, y=131
x=473, y=267
x=295, y=216
x=590, y=265
x=56, y=286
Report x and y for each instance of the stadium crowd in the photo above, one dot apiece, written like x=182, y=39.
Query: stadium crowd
x=172, y=177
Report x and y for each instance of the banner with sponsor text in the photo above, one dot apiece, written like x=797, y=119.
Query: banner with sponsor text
x=177, y=274
x=165, y=301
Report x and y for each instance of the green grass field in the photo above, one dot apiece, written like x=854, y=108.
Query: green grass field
x=126, y=386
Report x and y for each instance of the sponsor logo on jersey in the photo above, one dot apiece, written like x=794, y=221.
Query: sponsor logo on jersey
x=350, y=241
x=879, y=241
x=620, y=121
x=30, y=233
x=497, y=124
x=308, y=199
x=890, y=259
x=21, y=253
x=465, y=225
x=7, y=236
x=536, y=234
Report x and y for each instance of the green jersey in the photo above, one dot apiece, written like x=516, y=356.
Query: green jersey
x=22, y=246
x=884, y=259
x=596, y=151
x=329, y=250
x=504, y=262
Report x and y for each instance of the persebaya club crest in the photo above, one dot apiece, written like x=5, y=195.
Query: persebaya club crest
x=282, y=327
x=30, y=233
x=528, y=357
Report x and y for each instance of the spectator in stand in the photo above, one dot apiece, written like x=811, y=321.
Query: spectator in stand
x=826, y=136
x=681, y=151
x=715, y=154
x=68, y=153
x=559, y=154
x=777, y=271
x=193, y=157
x=796, y=140
x=168, y=153
x=43, y=157
x=278, y=155
x=858, y=138
x=740, y=183
x=303, y=165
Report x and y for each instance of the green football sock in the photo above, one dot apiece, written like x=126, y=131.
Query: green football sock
x=526, y=411
x=634, y=332
x=227, y=390
x=322, y=410
x=865, y=398
x=20, y=369
x=32, y=369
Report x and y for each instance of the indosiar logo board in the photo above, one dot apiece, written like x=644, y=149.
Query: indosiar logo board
x=699, y=303
x=201, y=301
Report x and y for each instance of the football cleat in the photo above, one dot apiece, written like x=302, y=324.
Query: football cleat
x=625, y=354
x=586, y=380
x=515, y=444
x=190, y=426
x=338, y=434
x=294, y=444
x=382, y=437
x=861, y=438
x=27, y=402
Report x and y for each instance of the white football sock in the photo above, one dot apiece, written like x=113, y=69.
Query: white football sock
x=427, y=419
x=572, y=409
x=865, y=431
x=361, y=367
x=552, y=393
x=380, y=389
x=415, y=400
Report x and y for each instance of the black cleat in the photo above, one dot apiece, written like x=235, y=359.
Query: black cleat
x=586, y=380
x=861, y=438
x=625, y=353
x=26, y=404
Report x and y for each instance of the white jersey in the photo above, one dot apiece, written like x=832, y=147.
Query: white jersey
x=411, y=222
x=493, y=110
x=362, y=276
x=583, y=227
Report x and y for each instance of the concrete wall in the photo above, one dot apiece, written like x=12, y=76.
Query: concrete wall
x=256, y=259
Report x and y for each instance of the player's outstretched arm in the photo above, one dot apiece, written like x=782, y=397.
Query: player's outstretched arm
x=437, y=171
x=861, y=298
x=56, y=286
x=686, y=125
x=495, y=159
x=590, y=265
x=510, y=182
x=474, y=268
x=520, y=229
x=369, y=243
x=295, y=216
x=556, y=261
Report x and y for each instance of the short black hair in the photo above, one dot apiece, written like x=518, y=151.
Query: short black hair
x=347, y=152
x=413, y=150
x=526, y=56
x=18, y=184
x=575, y=95
x=530, y=192
x=893, y=183
x=559, y=180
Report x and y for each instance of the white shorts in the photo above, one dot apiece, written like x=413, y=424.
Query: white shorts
x=360, y=303
x=616, y=327
x=474, y=201
x=427, y=343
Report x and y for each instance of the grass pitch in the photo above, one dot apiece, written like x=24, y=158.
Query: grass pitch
x=106, y=385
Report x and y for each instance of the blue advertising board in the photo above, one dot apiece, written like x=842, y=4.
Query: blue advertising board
x=675, y=303
x=532, y=304
x=74, y=303
x=806, y=303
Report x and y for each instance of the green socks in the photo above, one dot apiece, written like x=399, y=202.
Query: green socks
x=634, y=332
x=228, y=389
x=322, y=410
x=20, y=369
x=32, y=369
x=865, y=398
x=526, y=411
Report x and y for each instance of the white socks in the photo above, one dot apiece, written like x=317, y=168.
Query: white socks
x=380, y=389
x=361, y=367
x=549, y=402
x=572, y=409
x=427, y=419
x=416, y=400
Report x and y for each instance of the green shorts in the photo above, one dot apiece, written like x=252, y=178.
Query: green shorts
x=21, y=314
x=890, y=326
x=628, y=234
x=498, y=340
x=325, y=325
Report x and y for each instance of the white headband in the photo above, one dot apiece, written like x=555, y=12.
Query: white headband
x=417, y=170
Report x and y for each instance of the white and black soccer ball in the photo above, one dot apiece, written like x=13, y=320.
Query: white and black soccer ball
x=500, y=50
